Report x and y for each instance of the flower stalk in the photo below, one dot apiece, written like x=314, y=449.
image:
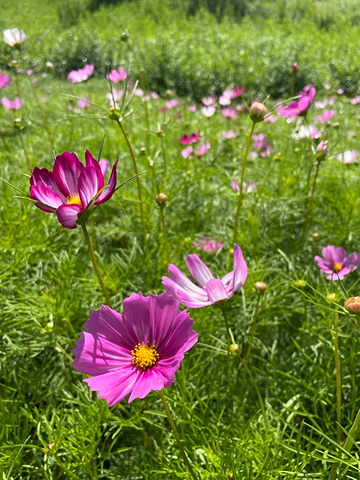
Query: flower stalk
x=176, y=435
x=338, y=377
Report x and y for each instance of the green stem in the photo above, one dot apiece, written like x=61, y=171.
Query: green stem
x=176, y=435
x=241, y=186
x=132, y=155
x=163, y=151
x=252, y=333
x=338, y=378
x=166, y=242
x=95, y=265
x=28, y=163
x=261, y=401
x=228, y=339
x=310, y=203
x=64, y=352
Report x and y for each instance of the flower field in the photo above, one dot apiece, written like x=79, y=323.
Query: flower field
x=179, y=253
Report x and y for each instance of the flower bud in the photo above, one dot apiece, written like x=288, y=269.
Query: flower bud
x=257, y=112
x=49, y=327
x=300, y=283
x=294, y=67
x=234, y=348
x=114, y=113
x=142, y=150
x=260, y=287
x=124, y=37
x=331, y=296
x=160, y=133
x=315, y=236
x=352, y=305
x=322, y=150
x=161, y=199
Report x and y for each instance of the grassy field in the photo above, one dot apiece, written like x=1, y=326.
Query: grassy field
x=270, y=409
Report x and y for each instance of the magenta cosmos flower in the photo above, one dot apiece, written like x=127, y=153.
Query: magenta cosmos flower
x=117, y=75
x=211, y=289
x=301, y=106
x=4, y=80
x=136, y=352
x=71, y=188
x=336, y=264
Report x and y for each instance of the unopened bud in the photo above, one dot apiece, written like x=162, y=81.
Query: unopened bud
x=300, y=283
x=114, y=113
x=331, y=296
x=234, y=348
x=124, y=37
x=257, y=112
x=315, y=236
x=49, y=327
x=142, y=150
x=161, y=199
x=322, y=150
x=160, y=133
x=49, y=65
x=294, y=67
x=336, y=125
x=261, y=287
x=17, y=123
x=352, y=305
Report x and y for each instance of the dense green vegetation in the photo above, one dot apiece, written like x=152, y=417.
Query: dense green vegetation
x=278, y=419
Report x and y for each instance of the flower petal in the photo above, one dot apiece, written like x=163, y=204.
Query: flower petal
x=151, y=379
x=110, y=189
x=68, y=215
x=46, y=196
x=216, y=290
x=198, y=269
x=90, y=181
x=240, y=269
x=137, y=317
x=186, y=298
x=67, y=169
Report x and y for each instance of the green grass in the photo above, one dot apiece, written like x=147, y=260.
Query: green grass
x=51, y=425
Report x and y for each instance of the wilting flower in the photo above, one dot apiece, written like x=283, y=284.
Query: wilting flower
x=71, y=188
x=136, y=352
x=15, y=105
x=77, y=76
x=336, y=264
x=211, y=289
x=4, y=80
x=301, y=106
x=347, y=157
x=118, y=75
x=14, y=36
x=208, y=244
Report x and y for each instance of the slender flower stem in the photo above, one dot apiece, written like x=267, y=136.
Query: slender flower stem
x=95, y=265
x=64, y=352
x=228, y=338
x=261, y=401
x=338, y=378
x=241, y=186
x=166, y=241
x=310, y=204
x=163, y=151
x=28, y=163
x=252, y=333
x=132, y=155
x=176, y=435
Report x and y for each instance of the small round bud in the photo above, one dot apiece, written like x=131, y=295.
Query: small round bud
x=161, y=199
x=331, y=296
x=114, y=113
x=234, y=348
x=124, y=37
x=315, y=236
x=160, y=133
x=13, y=64
x=257, y=112
x=352, y=305
x=260, y=287
x=49, y=327
x=294, y=67
x=336, y=125
x=17, y=123
x=300, y=283
x=49, y=65
x=142, y=150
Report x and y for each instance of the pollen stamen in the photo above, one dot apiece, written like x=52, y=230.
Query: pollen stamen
x=73, y=199
x=337, y=267
x=145, y=356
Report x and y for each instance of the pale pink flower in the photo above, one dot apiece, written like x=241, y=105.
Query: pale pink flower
x=229, y=112
x=174, y=102
x=306, y=131
x=187, y=152
x=116, y=95
x=248, y=186
x=326, y=116
x=204, y=147
x=208, y=244
x=117, y=75
x=192, y=107
x=77, y=76
x=355, y=100
x=4, y=80
x=270, y=118
x=208, y=111
x=208, y=101
x=12, y=105
x=262, y=145
x=347, y=157
x=229, y=134
x=84, y=102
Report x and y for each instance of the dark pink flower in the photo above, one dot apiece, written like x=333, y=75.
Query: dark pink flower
x=336, y=264
x=71, y=188
x=15, y=105
x=77, y=76
x=211, y=289
x=137, y=352
x=188, y=139
x=4, y=80
x=118, y=75
x=208, y=244
x=301, y=106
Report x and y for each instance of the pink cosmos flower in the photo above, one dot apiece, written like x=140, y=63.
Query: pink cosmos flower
x=229, y=112
x=326, y=116
x=208, y=111
x=248, y=186
x=187, y=152
x=270, y=118
x=14, y=36
x=192, y=107
x=4, y=80
x=207, y=101
x=71, y=188
x=136, y=352
x=77, y=76
x=118, y=75
x=229, y=134
x=208, y=244
x=15, y=105
x=211, y=289
x=188, y=139
x=355, y=100
x=83, y=102
x=172, y=103
x=116, y=95
x=204, y=147
x=336, y=264
x=347, y=157
x=262, y=145
x=301, y=106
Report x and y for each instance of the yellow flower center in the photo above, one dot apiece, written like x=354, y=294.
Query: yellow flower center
x=337, y=267
x=73, y=199
x=144, y=356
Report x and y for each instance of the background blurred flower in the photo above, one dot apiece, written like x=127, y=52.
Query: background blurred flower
x=336, y=264
x=14, y=36
x=211, y=289
x=136, y=352
x=117, y=75
x=77, y=76
x=347, y=157
x=12, y=105
x=4, y=80
x=301, y=106
x=208, y=244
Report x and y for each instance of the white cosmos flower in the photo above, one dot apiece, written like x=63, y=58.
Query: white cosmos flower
x=14, y=36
